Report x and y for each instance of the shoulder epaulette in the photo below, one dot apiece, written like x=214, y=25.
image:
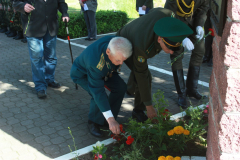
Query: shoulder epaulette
x=101, y=63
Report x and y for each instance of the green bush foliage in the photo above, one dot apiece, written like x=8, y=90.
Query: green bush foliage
x=107, y=21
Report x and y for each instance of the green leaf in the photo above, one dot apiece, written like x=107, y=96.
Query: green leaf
x=122, y=146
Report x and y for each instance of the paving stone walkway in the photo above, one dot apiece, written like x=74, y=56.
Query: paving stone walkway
x=31, y=128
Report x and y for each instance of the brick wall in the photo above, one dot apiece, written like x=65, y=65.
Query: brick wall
x=224, y=114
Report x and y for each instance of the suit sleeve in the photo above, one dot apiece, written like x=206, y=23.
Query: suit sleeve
x=63, y=8
x=143, y=77
x=18, y=5
x=148, y=3
x=201, y=14
x=97, y=90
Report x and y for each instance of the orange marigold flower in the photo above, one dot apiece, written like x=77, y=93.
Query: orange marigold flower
x=161, y=158
x=177, y=158
x=186, y=132
x=170, y=133
x=169, y=158
x=178, y=130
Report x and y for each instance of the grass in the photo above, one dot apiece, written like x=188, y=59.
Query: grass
x=129, y=6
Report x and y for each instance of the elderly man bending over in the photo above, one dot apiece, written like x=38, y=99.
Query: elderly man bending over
x=97, y=67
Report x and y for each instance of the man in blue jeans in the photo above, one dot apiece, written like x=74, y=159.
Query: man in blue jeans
x=40, y=26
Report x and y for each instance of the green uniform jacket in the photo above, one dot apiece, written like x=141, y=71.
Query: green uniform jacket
x=148, y=3
x=199, y=13
x=144, y=41
x=90, y=68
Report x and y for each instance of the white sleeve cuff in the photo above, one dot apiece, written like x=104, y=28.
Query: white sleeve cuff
x=107, y=114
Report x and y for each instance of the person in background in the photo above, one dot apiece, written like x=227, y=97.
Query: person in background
x=40, y=26
x=145, y=4
x=193, y=13
x=92, y=74
x=89, y=8
x=3, y=18
x=208, y=56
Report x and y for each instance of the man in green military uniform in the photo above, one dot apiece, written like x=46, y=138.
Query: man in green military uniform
x=97, y=67
x=18, y=26
x=4, y=20
x=147, y=41
x=193, y=13
x=145, y=4
x=3, y=26
x=11, y=16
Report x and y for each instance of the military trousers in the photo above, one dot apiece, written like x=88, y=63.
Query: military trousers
x=196, y=56
x=132, y=88
x=117, y=88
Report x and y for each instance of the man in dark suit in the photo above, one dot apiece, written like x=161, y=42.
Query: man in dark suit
x=40, y=26
x=97, y=66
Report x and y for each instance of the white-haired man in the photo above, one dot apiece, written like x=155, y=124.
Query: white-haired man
x=97, y=67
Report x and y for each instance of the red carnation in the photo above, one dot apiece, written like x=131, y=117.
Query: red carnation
x=129, y=140
x=212, y=32
x=11, y=21
x=166, y=110
x=121, y=127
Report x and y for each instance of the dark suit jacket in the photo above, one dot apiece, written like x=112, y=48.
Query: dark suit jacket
x=42, y=18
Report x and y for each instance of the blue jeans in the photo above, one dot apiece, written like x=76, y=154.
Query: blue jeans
x=43, y=58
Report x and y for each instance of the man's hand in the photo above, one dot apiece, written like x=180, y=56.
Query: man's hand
x=187, y=43
x=151, y=113
x=80, y=1
x=28, y=8
x=200, y=32
x=67, y=18
x=144, y=7
x=113, y=125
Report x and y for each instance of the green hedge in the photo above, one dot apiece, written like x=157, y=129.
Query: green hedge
x=107, y=21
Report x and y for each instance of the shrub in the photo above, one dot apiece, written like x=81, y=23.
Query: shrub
x=107, y=21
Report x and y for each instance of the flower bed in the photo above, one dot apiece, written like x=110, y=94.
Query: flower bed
x=165, y=139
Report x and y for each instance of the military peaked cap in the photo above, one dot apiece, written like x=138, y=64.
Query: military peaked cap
x=172, y=30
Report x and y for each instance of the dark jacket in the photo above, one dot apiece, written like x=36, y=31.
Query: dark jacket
x=148, y=3
x=36, y=23
x=144, y=41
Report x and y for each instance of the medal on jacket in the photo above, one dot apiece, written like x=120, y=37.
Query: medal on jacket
x=119, y=68
x=106, y=77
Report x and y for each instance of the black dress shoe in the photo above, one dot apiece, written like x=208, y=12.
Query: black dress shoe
x=7, y=32
x=182, y=102
x=195, y=94
x=24, y=40
x=18, y=36
x=54, y=85
x=92, y=39
x=42, y=94
x=128, y=93
x=3, y=30
x=87, y=39
x=12, y=34
x=94, y=129
x=139, y=116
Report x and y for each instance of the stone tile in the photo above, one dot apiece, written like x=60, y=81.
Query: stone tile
x=30, y=120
